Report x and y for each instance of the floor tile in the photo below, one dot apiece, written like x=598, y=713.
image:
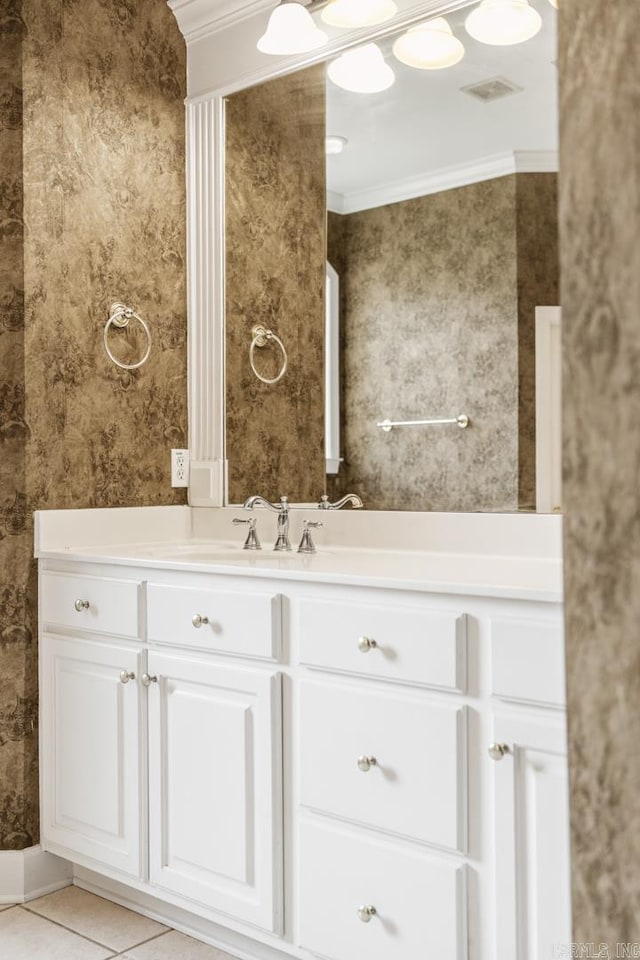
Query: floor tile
x=95, y=918
x=5, y=906
x=25, y=936
x=175, y=946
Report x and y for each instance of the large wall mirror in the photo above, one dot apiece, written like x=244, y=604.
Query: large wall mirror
x=391, y=230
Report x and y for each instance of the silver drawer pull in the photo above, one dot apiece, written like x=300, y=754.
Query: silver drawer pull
x=365, y=913
x=81, y=605
x=365, y=644
x=199, y=621
x=365, y=763
x=126, y=675
x=497, y=751
x=147, y=680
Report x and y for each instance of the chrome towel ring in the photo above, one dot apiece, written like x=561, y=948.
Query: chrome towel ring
x=261, y=337
x=120, y=316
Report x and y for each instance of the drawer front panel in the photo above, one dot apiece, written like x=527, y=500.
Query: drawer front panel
x=90, y=603
x=411, y=644
x=247, y=624
x=528, y=660
x=418, y=899
x=417, y=785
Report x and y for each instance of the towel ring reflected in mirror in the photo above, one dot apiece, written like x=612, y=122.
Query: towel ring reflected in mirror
x=261, y=337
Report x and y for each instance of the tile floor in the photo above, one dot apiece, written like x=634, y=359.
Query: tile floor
x=72, y=924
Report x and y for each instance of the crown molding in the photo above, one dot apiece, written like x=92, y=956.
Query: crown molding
x=200, y=18
x=446, y=178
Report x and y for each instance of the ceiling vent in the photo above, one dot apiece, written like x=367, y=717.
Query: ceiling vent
x=492, y=89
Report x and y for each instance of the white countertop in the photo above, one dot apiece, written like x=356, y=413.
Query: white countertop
x=526, y=578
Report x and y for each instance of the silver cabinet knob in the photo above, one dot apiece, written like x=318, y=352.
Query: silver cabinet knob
x=365, y=913
x=365, y=763
x=81, y=605
x=499, y=750
x=126, y=675
x=147, y=680
x=199, y=621
x=365, y=644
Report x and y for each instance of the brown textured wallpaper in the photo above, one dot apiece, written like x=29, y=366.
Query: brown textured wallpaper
x=18, y=772
x=275, y=264
x=600, y=230
x=100, y=138
x=437, y=299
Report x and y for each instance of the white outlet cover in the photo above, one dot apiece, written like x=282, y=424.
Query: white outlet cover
x=179, y=468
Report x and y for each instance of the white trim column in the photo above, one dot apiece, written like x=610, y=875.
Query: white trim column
x=205, y=252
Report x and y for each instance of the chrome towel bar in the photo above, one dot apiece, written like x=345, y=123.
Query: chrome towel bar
x=388, y=425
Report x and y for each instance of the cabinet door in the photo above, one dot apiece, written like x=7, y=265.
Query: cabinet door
x=215, y=773
x=533, y=906
x=91, y=759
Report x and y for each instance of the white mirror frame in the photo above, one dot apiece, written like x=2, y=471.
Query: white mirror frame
x=221, y=60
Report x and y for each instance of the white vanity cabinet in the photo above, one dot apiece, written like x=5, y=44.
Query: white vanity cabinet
x=163, y=762
x=383, y=777
x=308, y=769
x=215, y=816
x=531, y=787
x=92, y=751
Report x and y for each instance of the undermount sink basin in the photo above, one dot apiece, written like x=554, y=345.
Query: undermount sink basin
x=223, y=553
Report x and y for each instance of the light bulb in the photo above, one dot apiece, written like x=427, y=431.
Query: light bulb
x=291, y=30
x=358, y=13
x=503, y=22
x=362, y=70
x=334, y=145
x=429, y=46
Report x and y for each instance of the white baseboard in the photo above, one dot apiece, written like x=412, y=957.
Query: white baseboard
x=27, y=874
x=230, y=941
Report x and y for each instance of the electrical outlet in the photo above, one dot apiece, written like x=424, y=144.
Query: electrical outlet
x=179, y=468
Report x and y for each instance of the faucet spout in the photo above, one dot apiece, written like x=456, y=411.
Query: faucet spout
x=255, y=501
x=282, y=509
x=351, y=498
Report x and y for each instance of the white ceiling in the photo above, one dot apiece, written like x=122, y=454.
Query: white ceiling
x=425, y=127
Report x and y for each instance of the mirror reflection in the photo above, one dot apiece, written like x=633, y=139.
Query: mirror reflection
x=397, y=242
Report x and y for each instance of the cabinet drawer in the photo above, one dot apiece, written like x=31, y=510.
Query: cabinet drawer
x=90, y=603
x=417, y=785
x=419, y=899
x=528, y=660
x=411, y=644
x=247, y=624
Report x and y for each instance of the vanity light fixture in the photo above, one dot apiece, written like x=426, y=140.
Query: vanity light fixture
x=429, y=46
x=358, y=13
x=502, y=23
x=291, y=30
x=334, y=145
x=362, y=70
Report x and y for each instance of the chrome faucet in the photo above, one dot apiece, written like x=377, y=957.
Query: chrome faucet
x=282, y=509
x=351, y=498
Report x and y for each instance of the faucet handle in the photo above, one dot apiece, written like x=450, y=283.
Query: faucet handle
x=306, y=544
x=252, y=542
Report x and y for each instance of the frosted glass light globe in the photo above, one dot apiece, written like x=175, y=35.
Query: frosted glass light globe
x=362, y=70
x=291, y=30
x=503, y=22
x=358, y=13
x=429, y=46
x=334, y=145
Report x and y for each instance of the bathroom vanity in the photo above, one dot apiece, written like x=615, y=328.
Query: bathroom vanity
x=354, y=754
